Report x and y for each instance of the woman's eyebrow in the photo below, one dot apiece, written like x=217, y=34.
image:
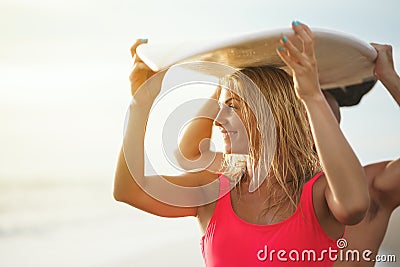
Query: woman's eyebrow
x=232, y=98
x=229, y=99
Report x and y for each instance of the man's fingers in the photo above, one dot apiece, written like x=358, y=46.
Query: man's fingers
x=134, y=46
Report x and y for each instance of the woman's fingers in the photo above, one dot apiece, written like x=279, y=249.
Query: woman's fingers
x=133, y=49
x=306, y=36
x=291, y=48
x=292, y=55
x=140, y=72
x=287, y=58
x=307, y=29
x=298, y=56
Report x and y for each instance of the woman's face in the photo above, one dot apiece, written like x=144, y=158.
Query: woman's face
x=230, y=122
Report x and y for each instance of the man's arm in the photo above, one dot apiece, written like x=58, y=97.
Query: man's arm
x=386, y=180
x=386, y=175
x=385, y=72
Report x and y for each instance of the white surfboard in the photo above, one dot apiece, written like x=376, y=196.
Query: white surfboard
x=343, y=60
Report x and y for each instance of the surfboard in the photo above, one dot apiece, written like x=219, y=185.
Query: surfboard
x=345, y=63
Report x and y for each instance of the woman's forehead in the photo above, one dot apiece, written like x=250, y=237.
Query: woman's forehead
x=227, y=94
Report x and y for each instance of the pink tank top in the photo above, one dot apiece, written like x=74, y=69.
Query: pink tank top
x=299, y=240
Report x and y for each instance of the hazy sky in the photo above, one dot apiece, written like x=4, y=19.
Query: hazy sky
x=64, y=69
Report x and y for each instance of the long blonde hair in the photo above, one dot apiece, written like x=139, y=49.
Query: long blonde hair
x=293, y=161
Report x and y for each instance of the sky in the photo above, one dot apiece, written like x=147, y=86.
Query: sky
x=64, y=68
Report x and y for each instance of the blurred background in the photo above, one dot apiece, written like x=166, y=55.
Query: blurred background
x=64, y=91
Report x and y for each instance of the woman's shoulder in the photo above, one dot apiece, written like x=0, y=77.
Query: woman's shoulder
x=316, y=187
x=327, y=221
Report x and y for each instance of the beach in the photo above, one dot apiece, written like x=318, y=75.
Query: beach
x=81, y=225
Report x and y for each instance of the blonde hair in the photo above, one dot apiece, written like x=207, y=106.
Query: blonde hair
x=293, y=161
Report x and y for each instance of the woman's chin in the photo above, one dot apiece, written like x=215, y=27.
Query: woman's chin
x=239, y=150
x=227, y=151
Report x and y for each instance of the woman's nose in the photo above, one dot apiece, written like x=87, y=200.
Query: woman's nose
x=220, y=118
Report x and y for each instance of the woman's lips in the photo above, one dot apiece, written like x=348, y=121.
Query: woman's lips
x=227, y=134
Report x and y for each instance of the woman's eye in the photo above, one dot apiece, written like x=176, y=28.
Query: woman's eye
x=230, y=106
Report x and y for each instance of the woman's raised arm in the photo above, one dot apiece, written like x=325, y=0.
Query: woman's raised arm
x=346, y=193
x=159, y=195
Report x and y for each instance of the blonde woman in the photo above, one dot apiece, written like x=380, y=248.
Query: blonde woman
x=292, y=217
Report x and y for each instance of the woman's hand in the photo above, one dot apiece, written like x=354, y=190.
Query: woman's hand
x=302, y=61
x=139, y=75
x=140, y=72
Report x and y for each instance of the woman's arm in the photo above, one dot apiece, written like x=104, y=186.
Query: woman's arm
x=346, y=193
x=153, y=194
x=194, y=146
x=199, y=129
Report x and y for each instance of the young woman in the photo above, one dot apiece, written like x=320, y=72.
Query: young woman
x=292, y=217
